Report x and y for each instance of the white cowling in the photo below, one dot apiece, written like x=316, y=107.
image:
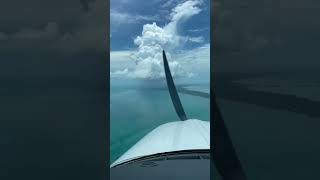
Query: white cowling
x=191, y=134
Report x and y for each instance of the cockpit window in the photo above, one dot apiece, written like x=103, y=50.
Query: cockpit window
x=140, y=100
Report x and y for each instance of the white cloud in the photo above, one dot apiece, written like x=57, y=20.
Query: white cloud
x=198, y=39
x=120, y=59
x=154, y=39
x=196, y=60
x=168, y=3
x=117, y=18
x=119, y=73
x=198, y=30
x=120, y=54
x=185, y=10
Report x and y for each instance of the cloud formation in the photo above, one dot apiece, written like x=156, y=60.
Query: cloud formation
x=118, y=18
x=185, y=10
x=198, y=39
x=186, y=58
x=154, y=39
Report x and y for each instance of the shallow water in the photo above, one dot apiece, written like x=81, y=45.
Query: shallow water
x=136, y=110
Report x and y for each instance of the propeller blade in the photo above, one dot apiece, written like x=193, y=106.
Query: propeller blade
x=172, y=90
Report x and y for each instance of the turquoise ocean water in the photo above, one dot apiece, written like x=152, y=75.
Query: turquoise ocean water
x=138, y=108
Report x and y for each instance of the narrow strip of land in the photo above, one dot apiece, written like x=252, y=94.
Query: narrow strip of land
x=193, y=93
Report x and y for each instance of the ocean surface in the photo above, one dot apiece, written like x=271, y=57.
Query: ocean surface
x=136, y=108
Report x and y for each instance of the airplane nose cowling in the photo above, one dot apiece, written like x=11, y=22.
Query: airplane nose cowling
x=191, y=134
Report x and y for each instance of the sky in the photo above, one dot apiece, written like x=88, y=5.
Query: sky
x=139, y=31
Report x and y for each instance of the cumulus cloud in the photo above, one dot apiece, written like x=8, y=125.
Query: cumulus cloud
x=154, y=39
x=186, y=58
